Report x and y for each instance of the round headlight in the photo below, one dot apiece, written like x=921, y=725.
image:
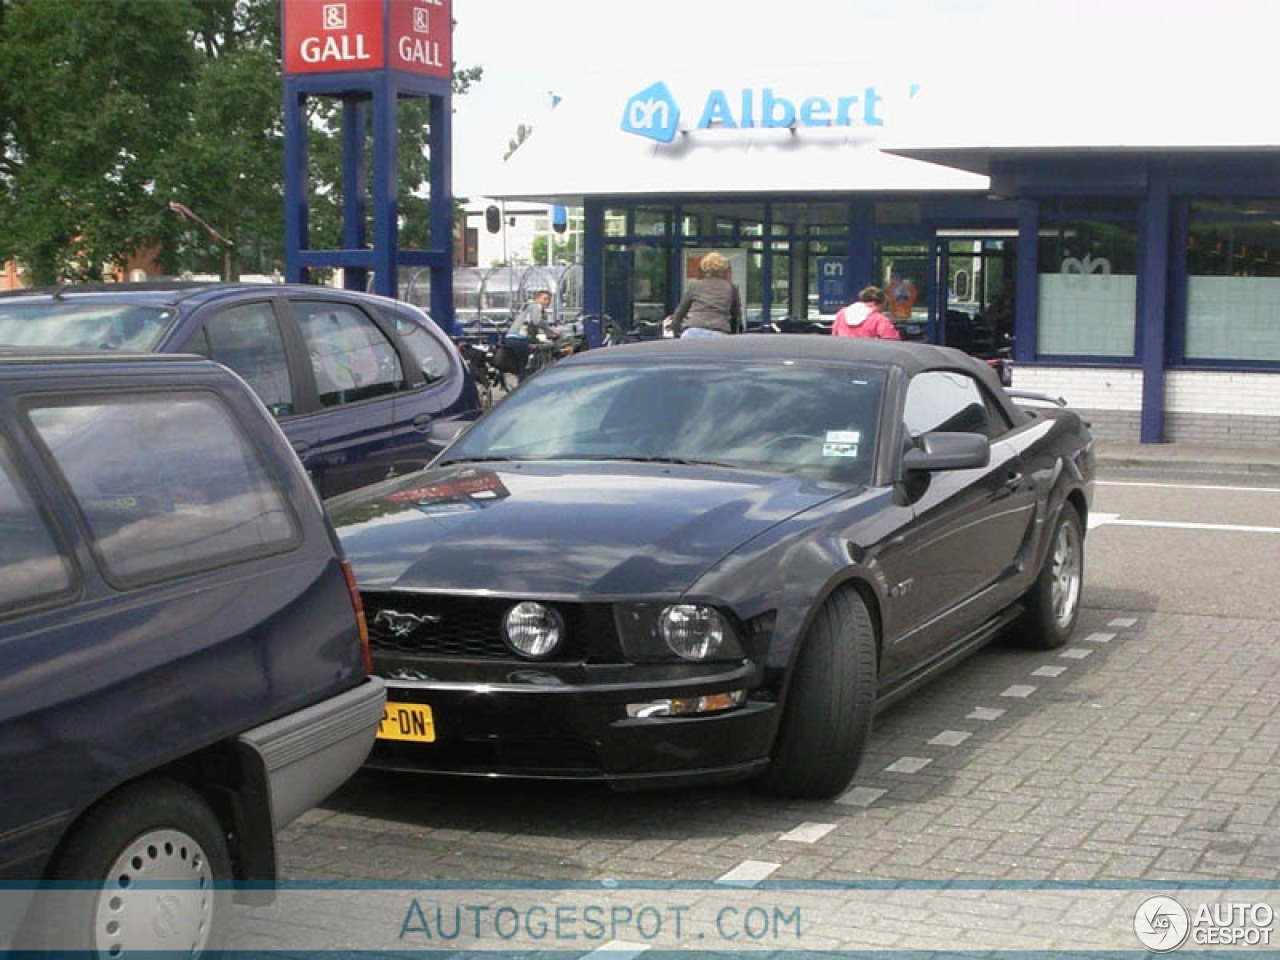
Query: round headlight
x=693, y=631
x=533, y=630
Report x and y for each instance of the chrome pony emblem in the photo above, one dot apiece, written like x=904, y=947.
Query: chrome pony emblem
x=402, y=624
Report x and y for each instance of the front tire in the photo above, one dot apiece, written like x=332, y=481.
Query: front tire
x=1053, y=602
x=827, y=719
x=153, y=867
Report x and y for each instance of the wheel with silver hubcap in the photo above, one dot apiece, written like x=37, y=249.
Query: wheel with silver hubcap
x=153, y=865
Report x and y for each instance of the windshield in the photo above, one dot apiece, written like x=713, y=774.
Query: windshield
x=812, y=418
x=83, y=326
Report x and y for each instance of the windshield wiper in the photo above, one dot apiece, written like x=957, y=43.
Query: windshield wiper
x=681, y=461
x=482, y=460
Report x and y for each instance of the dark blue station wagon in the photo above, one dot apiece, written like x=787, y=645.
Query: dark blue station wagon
x=355, y=380
x=183, y=665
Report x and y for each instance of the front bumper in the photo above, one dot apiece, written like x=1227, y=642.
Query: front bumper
x=308, y=754
x=536, y=723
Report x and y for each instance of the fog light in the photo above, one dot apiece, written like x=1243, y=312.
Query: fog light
x=688, y=706
x=533, y=630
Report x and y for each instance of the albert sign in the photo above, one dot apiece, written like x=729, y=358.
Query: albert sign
x=335, y=36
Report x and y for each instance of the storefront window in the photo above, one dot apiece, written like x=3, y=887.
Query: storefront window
x=1088, y=282
x=652, y=221
x=903, y=271
x=1233, y=281
x=615, y=223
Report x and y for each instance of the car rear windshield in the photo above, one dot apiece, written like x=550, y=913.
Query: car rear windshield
x=83, y=326
x=818, y=419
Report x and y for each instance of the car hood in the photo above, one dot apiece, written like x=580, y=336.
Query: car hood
x=567, y=529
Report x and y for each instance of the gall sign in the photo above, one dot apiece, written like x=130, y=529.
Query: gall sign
x=335, y=36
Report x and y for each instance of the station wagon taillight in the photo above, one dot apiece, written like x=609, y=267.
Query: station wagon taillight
x=357, y=604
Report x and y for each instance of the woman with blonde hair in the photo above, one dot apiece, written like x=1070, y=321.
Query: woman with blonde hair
x=710, y=305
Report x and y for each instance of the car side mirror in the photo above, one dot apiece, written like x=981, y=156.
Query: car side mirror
x=948, y=451
x=444, y=432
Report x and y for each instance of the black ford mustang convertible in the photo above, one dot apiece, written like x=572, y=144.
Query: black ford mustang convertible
x=712, y=559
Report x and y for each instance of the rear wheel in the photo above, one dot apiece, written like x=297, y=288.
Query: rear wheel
x=1053, y=602
x=153, y=866
x=827, y=719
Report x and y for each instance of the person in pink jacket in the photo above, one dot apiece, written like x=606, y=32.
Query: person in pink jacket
x=865, y=317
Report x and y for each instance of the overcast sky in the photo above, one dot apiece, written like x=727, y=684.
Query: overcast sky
x=531, y=49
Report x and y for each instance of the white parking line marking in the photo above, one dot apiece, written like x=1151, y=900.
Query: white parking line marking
x=1020, y=690
x=1102, y=519
x=908, y=765
x=748, y=873
x=1123, y=622
x=1048, y=671
x=619, y=950
x=950, y=738
x=809, y=832
x=985, y=713
x=1186, y=525
x=861, y=796
x=1075, y=653
x=1187, y=486
x=1099, y=638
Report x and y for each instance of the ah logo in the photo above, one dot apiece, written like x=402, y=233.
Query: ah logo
x=652, y=113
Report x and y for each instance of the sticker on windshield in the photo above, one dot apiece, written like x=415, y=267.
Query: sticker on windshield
x=841, y=443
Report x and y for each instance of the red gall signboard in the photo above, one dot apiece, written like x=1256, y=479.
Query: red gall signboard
x=332, y=36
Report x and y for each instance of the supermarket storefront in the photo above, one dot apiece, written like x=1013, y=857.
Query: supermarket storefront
x=1133, y=271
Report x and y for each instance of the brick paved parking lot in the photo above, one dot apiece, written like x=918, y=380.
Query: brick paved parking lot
x=1144, y=751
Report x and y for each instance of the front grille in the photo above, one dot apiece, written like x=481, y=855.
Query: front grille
x=471, y=627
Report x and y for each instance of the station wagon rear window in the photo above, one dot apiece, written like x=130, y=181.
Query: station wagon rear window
x=167, y=484
x=32, y=569
x=83, y=326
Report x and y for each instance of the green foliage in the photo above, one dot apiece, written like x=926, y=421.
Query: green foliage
x=561, y=251
x=110, y=109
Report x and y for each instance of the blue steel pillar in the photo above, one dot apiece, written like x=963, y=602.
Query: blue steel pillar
x=354, y=191
x=442, y=306
x=1024, y=347
x=860, y=258
x=295, y=182
x=1153, y=296
x=593, y=256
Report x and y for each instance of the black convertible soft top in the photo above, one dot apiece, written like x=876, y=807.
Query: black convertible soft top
x=911, y=358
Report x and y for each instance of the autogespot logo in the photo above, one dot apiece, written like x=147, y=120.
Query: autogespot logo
x=1161, y=923
x=652, y=113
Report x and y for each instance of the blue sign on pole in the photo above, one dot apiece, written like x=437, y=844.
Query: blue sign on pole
x=833, y=284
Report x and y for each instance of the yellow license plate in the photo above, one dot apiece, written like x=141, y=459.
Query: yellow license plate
x=407, y=721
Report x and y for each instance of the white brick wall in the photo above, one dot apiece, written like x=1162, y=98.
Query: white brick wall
x=1086, y=389
x=1213, y=391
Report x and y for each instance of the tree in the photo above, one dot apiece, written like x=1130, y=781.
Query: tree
x=90, y=97
x=112, y=109
x=523, y=131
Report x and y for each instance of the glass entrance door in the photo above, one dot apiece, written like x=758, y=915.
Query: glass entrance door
x=980, y=272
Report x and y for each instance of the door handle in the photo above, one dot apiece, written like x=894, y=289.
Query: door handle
x=300, y=447
x=422, y=422
x=1012, y=479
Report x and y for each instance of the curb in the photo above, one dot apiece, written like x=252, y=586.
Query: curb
x=1237, y=467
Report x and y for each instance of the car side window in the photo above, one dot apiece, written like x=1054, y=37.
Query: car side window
x=945, y=400
x=167, y=483
x=431, y=356
x=247, y=339
x=32, y=568
x=350, y=356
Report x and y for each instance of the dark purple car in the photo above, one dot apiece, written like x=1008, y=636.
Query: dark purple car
x=355, y=380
